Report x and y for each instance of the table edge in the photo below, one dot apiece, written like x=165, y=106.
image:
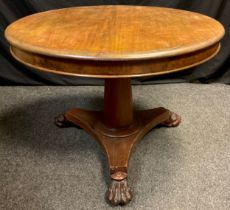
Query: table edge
x=118, y=76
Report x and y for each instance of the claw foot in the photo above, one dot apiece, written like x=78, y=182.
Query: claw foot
x=62, y=122
x=119, y=192
x=173, y=121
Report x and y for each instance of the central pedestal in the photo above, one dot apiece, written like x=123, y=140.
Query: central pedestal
x=117, y=129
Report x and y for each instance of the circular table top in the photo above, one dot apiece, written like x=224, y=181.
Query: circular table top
x=113, y=33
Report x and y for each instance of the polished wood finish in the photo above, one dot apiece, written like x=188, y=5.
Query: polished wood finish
x=118, y=103
x=117, y=134
x=114, y=32
x=115, y=43
x=115, y=69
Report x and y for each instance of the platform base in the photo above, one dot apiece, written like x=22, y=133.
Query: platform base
x=118, y=143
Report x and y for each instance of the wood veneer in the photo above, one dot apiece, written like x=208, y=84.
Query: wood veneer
x=114, y=32
x=115, y=43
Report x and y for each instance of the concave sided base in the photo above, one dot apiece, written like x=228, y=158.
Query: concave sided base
x=117, y=129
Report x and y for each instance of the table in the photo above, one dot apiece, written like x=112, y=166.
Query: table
x=116, y=43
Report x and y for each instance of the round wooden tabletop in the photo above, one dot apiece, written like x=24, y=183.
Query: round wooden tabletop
x=114, y=41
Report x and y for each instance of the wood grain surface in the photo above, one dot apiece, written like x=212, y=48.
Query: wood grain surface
x=115, y=42
x=114, y=32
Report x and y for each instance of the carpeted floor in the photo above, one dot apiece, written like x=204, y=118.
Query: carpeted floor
x=43, y=167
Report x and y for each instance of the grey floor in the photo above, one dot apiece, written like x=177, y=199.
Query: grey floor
x=43, y=167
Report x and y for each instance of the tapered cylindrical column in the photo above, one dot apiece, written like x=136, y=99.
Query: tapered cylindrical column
x=118, y=106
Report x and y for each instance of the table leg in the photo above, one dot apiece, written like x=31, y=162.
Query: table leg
x=117, y=129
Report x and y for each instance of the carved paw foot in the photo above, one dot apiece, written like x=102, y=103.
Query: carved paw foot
x=119, y=192
x=62, y=122
x=173, y=121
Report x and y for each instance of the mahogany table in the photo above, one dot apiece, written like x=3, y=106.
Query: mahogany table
x=116, y=43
